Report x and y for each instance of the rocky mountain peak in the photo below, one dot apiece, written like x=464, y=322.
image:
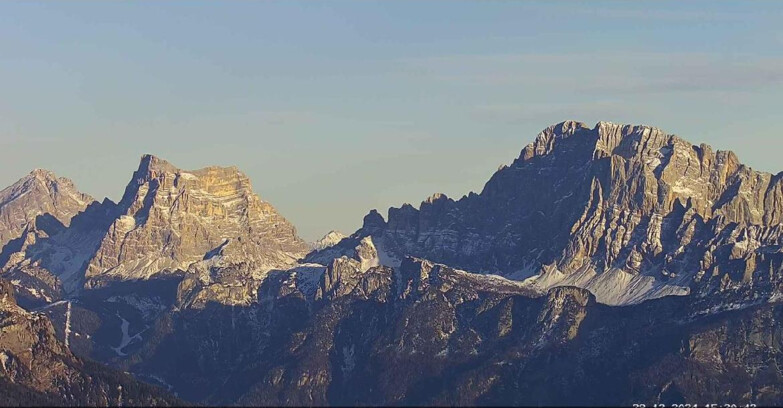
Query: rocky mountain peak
x=152, y=165
x=42, y=181
x=151, y=168
x=157, y=179
x=628, y=212
x=39, y=193
x=43, y=174
x=546, y=141
x=170, y=218
x=328, y=240
x=604, y=139
x=435, y=198
x=45, y=179
x=373, y=221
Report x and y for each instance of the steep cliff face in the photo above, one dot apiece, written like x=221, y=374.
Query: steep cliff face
x=36, y=367
x=169, y=218
x=628, y=212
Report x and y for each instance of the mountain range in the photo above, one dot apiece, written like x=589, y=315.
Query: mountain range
x=609, y=265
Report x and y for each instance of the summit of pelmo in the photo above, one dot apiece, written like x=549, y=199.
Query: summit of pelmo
x=170, y=218
x=167, y=221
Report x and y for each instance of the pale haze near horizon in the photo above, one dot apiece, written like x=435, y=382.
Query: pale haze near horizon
x=336, y=108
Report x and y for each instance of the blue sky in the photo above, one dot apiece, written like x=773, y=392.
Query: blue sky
x=335, y=108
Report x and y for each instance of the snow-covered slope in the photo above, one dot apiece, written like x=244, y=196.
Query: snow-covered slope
x=328, y=240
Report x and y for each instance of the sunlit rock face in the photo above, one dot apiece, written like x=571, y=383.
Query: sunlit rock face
x=628, y=212
x=40, y=194
x=170, y=218
x=169, y=222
